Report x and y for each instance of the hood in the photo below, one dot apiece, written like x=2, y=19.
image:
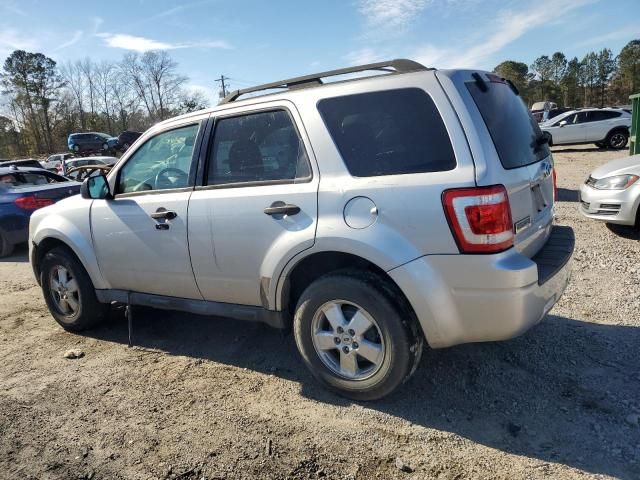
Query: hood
x=618, y=167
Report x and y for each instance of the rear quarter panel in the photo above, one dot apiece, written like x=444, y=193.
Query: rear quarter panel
x=410, y=219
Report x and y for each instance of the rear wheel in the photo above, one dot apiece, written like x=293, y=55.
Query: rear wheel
x=6, y=248
x=69, y=292
x=354, y=338
x=617, y=139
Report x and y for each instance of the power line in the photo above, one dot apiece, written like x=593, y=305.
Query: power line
x=223, y=86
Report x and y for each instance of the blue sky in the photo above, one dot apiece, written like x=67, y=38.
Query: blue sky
x=255, y=41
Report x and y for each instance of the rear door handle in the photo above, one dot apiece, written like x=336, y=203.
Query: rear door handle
x=164, y=213
x=281, y=208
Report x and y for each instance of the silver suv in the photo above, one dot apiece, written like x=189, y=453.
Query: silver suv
x=369, y=214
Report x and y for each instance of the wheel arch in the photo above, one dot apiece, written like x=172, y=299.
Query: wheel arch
x=71, y=238
x=315, y=265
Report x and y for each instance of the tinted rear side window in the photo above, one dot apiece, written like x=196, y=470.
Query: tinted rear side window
x=388, y=133
x=513, y=130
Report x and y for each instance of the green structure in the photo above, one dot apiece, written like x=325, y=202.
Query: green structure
x=634, y=146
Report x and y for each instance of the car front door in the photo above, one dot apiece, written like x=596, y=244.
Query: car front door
x=140, y=235
x=256, y=206
x=573, y=131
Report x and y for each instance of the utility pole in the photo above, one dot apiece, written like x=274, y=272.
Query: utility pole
x=223, y=86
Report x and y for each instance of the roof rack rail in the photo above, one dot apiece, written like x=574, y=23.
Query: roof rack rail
x=399, y=65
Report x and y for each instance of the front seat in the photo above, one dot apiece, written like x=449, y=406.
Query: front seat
x=245, y=161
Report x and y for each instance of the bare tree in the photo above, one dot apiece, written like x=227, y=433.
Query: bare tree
x=75, y=79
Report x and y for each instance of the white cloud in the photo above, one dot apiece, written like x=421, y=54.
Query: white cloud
x=11, y=39
x=73, y=40
x=142, y=44
x=508, y=27
x=363, y=56
x=391, y=14
x=629, y=32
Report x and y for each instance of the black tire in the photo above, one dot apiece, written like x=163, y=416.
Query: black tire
x=617, y=139
x=6, y=248
x=90, y=311
x=397, y=327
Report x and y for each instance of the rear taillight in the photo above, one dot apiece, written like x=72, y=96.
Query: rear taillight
x=555, y=184
x=480, y=218
x=32, y=203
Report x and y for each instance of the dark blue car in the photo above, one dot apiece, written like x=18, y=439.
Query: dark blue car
x=22, y=191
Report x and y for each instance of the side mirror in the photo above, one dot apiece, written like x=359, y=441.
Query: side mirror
x=96, y=188
x=562, y=123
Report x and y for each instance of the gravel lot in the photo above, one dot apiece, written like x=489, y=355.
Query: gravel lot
x=210, y=398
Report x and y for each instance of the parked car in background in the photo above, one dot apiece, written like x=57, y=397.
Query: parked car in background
x=538, y=110
x=369, y=214
x=612, y=192
x=126, y=139
x=605, y=127
x=84, y=161
x=90, y=142
x=55, y=161
x=22, y=191
x=29, y=162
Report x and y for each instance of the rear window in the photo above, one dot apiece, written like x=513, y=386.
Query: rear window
x=27, y=179
x=388, y=133
x=512, y=128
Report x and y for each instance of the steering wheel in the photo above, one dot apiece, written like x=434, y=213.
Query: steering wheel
x=162, y=182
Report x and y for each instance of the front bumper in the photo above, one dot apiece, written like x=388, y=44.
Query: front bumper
x=611, y=206
x=480, y=298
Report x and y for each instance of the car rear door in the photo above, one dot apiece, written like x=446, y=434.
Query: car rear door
x=510, y=151
x=255, y=206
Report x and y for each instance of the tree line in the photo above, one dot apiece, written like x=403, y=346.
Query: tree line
x=599, y=79
x=42, y=102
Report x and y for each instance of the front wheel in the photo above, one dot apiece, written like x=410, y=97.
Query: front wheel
x=69, y=292
x=617, y=140
x=354, y=338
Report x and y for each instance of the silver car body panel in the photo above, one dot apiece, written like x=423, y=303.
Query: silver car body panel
x=228, y=251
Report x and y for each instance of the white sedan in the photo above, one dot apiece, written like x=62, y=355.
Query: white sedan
x=606, y=127
x=612, y=192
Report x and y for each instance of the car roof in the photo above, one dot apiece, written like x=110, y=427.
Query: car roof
x=286, y=89
x=14, y=169
x=102, y=158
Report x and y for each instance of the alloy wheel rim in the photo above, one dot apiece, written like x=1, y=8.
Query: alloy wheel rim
x=617, y=140
x=64, y=290
x=347, y=340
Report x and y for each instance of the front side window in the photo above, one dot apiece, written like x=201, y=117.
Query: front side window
x=390, y=132
x=258, y=147
x=162, y=162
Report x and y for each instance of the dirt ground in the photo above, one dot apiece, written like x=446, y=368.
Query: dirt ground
x=212, y=398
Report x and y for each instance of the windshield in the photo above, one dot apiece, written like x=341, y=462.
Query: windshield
x=515, y=134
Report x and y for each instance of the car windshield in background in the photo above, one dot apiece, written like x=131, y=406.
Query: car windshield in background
x=28, y=179
x=388, y=133
x=515, y=133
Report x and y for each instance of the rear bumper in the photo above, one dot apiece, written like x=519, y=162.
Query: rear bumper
x=480, y=298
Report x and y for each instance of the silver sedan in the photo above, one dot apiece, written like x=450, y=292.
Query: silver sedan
x=612, y=192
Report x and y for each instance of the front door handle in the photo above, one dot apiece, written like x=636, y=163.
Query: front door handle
x=163, y=213
x=281, y=208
